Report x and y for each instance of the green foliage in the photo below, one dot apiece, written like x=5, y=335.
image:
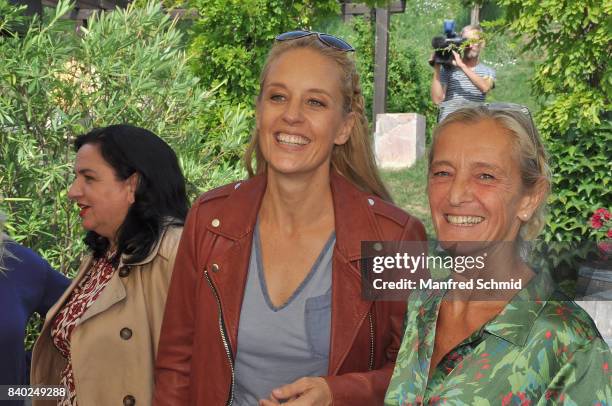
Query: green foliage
x=232, y=37
x=490, y=11
x=408, y=80
x=128, y=66
x=582, y=167
x=377, y=3
x=574, y=84
x=575, y=38
x=513, y=69
x=11, y=17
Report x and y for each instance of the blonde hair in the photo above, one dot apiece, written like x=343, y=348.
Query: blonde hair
x=530, y=151
x=471, y=27
x=355, y=159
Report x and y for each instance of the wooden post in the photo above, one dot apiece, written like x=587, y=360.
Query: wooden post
x=381, y=56
x=475, y=14
x=381, y=53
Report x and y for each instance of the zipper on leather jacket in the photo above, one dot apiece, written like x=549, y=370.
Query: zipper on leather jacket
x=371, y=322
x=223, y=331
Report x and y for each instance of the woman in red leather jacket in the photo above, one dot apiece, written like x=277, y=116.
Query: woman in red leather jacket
x=265, y=301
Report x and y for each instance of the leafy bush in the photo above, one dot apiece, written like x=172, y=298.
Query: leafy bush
x=581, y=166
x=231, y=39
x=127, y=66
x=574, y=84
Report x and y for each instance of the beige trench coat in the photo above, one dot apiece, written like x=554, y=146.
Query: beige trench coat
x=114, y=344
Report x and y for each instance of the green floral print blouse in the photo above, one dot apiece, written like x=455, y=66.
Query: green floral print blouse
x=541, y=349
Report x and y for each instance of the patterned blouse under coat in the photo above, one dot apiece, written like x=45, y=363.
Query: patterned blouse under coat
x=80, y=299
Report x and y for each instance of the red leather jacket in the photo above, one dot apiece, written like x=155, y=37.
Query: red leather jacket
x=195, y=362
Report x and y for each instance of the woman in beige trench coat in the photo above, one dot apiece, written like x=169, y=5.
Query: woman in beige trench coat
x=100, y=339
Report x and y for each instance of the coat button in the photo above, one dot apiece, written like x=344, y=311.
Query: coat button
x=215, y=223
x=125, y=333
x=215, y=268
x=124, y=272
x=371, y=202
x=129, y=400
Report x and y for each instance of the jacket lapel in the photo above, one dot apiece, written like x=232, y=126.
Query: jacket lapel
x=232, y=251
x=349, y=311
x=230, y=281
x=355, y=222
x=113, y=292
x=61, y=301
x=355, y=219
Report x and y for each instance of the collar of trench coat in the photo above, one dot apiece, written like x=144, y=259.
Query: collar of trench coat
x=113, y=292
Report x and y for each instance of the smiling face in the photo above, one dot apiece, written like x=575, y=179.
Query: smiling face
x=475, y=188
x=103, y=199
x=300, y=115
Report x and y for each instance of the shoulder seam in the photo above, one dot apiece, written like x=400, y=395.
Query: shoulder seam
x=169, y=235
x=222, y=191
x=391, y=212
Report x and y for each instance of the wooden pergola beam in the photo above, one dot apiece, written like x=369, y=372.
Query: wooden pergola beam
x=85, y=8
x=364, y=9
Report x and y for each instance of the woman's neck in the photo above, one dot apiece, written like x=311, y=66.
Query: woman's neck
x=297, y=202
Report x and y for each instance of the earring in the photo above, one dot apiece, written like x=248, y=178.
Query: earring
x=525, y=216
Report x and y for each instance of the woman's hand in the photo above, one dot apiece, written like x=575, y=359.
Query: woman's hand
x=303, y=392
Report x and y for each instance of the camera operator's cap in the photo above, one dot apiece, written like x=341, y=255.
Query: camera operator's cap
x=328, y=39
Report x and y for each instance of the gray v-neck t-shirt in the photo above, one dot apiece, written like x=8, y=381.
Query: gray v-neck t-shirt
x=278, y=345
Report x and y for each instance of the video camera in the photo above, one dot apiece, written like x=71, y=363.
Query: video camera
x=444, y=44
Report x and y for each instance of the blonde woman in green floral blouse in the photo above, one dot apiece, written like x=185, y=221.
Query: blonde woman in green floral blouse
x=488, y=181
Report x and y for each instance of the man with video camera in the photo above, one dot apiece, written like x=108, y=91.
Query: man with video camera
x=458, y=80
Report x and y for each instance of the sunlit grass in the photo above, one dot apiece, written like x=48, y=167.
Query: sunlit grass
x=408, y=188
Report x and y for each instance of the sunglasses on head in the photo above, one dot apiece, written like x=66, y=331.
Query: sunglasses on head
x=512, y=107
x=327, y=39
x=508, y=107
x=523, y=110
